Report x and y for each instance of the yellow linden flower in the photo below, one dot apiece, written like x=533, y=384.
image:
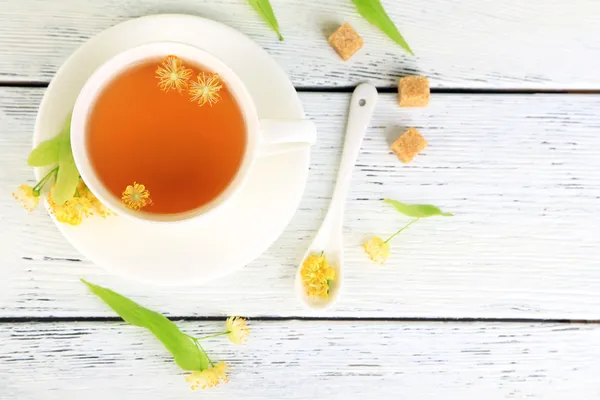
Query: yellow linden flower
x=317, y=275
x=27, y=197
x=377, y=249
x=206, y=89
x=172, y=74
x=136, y=197
x=210, y=377
x=97, y=207
x=73, y=211
x=238, y=330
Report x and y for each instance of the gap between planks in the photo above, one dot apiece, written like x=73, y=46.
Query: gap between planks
x=384, y=89
x=300, y=318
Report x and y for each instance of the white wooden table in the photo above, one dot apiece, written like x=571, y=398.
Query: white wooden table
x=501, y=301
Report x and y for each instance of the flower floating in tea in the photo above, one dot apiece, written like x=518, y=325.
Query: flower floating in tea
x=237, y=330
x=205, y=89
x=317, y=275
x=172, y=74
x=136, y=197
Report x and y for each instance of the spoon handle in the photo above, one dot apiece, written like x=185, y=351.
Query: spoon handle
x=361, y=110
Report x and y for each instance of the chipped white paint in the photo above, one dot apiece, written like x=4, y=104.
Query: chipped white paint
x=308, y=360
x=474, y=44
x=519, y=172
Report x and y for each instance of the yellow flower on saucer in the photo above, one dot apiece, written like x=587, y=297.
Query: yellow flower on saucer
x=317, y=275
x=28, y=197
x=238, y=330
x=136, y=197
x=205, y=89
x=377, y=249
x=71, y=212
x=210, y=377
x=171, y=74
x=97, y=207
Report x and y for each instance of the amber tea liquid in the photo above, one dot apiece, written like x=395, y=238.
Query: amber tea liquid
x=185, y=154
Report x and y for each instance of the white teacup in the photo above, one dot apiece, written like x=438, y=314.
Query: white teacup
x=263, y=137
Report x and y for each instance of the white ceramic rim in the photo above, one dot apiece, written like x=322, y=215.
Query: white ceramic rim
x=108, y=71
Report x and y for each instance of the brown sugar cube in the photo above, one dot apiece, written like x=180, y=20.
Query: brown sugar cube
x=413, y=91
x=345, y=41
x=408, y=145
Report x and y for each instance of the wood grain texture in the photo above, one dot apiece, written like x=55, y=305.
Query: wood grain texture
x=307, y=359
x=520, y=173
x=542, y=44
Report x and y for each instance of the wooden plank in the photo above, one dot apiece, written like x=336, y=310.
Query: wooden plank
x=309, y=359
x=520, y=172
x=542, y=44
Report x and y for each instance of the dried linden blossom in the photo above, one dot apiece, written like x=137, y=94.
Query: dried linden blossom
x=73, y=211
x=237, y=330
x=187, y=351
x=205, y=89
x=82, y=205
x=209, y=377
x=136, y=197
x=377, y=249
x=317, y=275
x=98, y=208
x=27, y=196
x=171, y=74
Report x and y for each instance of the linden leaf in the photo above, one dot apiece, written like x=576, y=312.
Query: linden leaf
x=46, y=153
x=417, y=210
x=373, y=11
x=263, y=7
x=185, y=352
x=68, y=175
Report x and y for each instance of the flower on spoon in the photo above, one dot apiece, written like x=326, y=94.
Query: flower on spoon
x=171, y=74
x=317, y=275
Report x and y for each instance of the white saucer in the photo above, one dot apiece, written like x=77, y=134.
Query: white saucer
x=222, y=243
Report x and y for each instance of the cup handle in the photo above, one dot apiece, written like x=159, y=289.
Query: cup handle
x=284, y=135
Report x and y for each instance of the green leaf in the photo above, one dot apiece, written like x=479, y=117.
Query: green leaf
x=417, y=210
x=185, y=351
x=373, y=11
x=263, y=7
x=46, y=153
x=68, y=175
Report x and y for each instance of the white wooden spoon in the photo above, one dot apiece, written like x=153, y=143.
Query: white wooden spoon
x=329, y=237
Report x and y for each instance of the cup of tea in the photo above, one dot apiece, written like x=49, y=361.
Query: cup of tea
x=192, y=143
